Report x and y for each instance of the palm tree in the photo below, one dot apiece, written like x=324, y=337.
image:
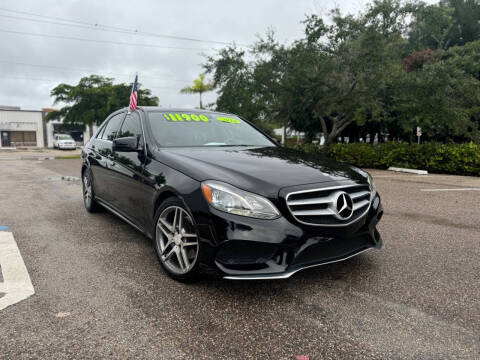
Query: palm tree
x=199, y=87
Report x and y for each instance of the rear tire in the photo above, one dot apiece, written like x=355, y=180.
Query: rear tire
x=176, y=240
x=88, y=193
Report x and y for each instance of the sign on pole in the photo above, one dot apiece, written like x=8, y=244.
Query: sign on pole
x=419, y=133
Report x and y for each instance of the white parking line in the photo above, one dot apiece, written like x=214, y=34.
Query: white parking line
x=16, y=284
x=461, y=189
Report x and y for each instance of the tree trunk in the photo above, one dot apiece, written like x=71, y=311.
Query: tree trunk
x=328, y=140
x=201, y=105
x=308, y=138
x=339, y=123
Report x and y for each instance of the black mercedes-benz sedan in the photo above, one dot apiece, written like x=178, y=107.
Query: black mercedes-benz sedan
x=216, y=193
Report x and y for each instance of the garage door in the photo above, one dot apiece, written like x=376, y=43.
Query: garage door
x=23, y=138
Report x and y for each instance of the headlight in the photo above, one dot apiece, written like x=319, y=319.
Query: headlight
x=371, y=183
x=227, y=198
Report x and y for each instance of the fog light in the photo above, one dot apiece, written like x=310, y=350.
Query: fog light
x=376, y=202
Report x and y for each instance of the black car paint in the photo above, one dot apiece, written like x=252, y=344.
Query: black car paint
x=133, y=185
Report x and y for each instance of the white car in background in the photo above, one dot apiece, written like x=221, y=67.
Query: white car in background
x=64, y=141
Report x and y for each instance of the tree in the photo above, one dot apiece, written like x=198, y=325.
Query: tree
x=448, y=23
x=245, y=88
x=432, y=27
x=328, y=85
x=385, y=71
x=93, y=99
x=441, y=99
x=199, y=87
x=417, y=59
x=338, y=74
x=466, y=59
x=466, y=19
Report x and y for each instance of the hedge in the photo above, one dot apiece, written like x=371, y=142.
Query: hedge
x=459, y=159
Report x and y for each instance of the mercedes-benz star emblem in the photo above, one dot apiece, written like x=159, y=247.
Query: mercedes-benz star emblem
x=344, y=206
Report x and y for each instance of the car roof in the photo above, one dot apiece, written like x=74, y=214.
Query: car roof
x=173, y=109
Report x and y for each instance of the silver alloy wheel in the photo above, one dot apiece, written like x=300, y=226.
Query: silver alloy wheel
x=177, y=240
x=87, y=189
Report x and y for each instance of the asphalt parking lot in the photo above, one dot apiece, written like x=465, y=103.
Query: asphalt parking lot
x=100, y=292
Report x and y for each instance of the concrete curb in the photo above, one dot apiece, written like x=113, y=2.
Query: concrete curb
x=411, y=171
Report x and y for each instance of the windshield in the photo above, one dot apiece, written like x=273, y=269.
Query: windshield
x=203, y=129
x=64, y=137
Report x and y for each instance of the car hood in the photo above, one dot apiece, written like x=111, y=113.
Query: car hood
x=262, y=170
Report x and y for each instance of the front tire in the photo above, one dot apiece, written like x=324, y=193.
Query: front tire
x=176, y=240
x=88, y=194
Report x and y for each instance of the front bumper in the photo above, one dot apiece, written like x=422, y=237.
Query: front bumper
x=287, y=274
x=67, y=146
x=276, y=249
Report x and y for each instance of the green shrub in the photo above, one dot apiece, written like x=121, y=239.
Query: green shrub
x=460, y=159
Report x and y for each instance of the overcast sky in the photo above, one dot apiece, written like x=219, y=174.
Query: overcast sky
x=30, y=66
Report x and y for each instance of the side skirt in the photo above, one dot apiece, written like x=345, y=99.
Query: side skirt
x=123, y=217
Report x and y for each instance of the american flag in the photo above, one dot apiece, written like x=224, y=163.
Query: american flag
x=134, y=95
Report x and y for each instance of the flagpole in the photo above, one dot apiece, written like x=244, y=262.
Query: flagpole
x=131, y=92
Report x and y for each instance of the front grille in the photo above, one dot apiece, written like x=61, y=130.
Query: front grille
x=322, y=206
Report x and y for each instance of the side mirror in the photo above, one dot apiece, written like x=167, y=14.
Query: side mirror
x=125, y=144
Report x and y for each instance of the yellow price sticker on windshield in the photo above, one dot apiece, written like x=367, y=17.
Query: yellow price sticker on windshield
x=228, y=120
x=182, y=117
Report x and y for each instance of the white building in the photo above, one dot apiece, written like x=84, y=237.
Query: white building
x=20, y=128
x=28, y=128
x=58, y=127
x=55, y=126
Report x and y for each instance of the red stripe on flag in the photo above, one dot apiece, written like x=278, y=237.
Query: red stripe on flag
x=133, y=101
